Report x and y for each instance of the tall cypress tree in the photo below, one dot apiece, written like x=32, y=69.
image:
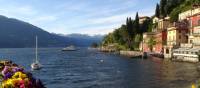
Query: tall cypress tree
x=162, y=8
x=131, y=27
x=137, y=24
x=157, y=12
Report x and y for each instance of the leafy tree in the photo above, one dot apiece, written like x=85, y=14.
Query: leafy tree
x=108, y=39
x=150, y=25
x=174, y=15
x=151, y=43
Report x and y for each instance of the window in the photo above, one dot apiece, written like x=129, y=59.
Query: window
x=167, y=51
x=191, y=41
x=198, y=22
x=192, y=52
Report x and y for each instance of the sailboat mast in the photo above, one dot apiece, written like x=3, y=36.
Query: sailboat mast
x=36, y=51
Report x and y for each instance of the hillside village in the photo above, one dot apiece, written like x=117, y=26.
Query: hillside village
x=172, y=33
x=178, y=40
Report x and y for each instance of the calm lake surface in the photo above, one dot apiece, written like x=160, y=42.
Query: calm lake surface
x=85, y=69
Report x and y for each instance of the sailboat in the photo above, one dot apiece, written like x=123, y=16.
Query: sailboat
x=36, y=64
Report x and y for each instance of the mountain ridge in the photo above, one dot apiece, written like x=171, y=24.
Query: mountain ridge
x=15, y=33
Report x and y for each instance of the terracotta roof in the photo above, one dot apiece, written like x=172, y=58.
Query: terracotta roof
x=143, y=17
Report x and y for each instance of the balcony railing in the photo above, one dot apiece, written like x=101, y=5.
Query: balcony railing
x=181, y=24
x=195, y=34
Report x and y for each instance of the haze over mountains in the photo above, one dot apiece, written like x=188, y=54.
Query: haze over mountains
x=18, y=34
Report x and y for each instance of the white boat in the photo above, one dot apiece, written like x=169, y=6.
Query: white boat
x=69, y=48
x=36, y=64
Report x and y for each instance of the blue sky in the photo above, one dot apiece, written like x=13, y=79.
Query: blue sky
x=76, y=16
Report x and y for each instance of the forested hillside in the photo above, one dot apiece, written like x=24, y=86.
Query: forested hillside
x=129, y=35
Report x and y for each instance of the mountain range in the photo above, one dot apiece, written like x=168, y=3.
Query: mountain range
x=15, y=33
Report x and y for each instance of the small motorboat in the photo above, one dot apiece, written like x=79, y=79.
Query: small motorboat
x=69, y=48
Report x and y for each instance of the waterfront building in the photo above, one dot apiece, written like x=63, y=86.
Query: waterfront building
x=155, y=20
x=157, y=48
x=188, y=13
x=186, y=52
x=162, y=24
x=194, y=35
x=144, y=43
x=159, y=34
x=143, y=19
x=176, y=34
x=189, y=51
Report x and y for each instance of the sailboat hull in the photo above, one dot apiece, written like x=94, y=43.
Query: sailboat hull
x=36, y=66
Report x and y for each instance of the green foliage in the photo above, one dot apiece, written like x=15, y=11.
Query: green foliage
x=183, y=6
x=146, y=26
x=128, y=36
x=167, y=8
x=151, y=43
x=174, y=14
x=108, y=39
x=162, y=7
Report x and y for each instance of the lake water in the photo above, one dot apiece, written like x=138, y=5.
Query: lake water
x=91, y=69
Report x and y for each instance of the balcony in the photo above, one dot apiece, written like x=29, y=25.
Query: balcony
x=195, y=34
x=196, y=43
x=180, y=25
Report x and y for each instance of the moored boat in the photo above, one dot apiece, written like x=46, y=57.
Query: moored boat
x=36, y=64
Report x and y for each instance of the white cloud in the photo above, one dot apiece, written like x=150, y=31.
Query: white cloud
x=77, y=16
x=111, y=19
x=43, y=19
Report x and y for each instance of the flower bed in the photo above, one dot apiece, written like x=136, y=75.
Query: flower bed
x=14, y=76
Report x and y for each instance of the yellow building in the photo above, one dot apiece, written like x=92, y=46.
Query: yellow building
x=175, y=36
x=160, y=24
x=163, y=24
x=155, y=20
